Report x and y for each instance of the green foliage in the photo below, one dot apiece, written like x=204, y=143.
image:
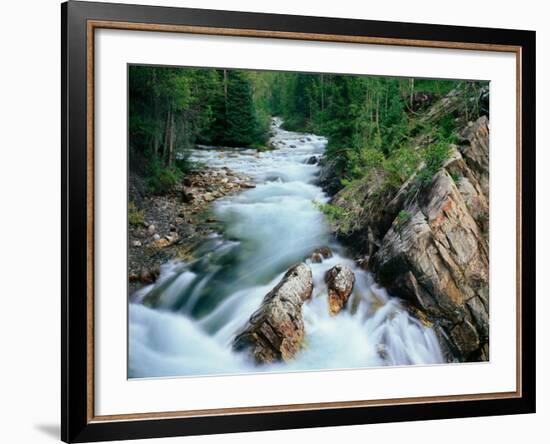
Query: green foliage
x=241, y=127
x=434, y=157
x=172, y=109
x=362, y=161
x=400, y=165
x=403, y=216
x=336, y=215
x=370, y=123
x=136, y=216
x=162, y=179
x=456, y=177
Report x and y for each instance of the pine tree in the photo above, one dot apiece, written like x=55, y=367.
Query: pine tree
x=241, y=123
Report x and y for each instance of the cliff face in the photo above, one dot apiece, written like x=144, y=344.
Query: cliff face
x=438, y=259
x=428, y=243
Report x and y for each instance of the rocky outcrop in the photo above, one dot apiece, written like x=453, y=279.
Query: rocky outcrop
x=276, y=330
x=328, y=178
x=428, y=241
x=340, y=280
x=437, y=255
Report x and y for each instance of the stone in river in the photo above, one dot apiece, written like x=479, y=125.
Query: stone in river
x=340, y=281
x=275, y=331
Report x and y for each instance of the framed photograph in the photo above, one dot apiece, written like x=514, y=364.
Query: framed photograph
x=275, y=221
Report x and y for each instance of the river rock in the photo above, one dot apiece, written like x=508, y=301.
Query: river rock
x=319, y=254
x=151, y=230
x=275, y=331
x=340, y=280
x=313, y=160
x=149, y=275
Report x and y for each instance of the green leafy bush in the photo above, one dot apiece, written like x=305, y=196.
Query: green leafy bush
x=336, y=215
x=162, y=179
x=136, y=216
x=362, y=162
x=434, y=157
x=401, y=165
x=403, y=216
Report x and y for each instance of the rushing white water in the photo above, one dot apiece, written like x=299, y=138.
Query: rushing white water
x=184, y=324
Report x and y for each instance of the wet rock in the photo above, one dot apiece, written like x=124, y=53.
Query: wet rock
x=187, y=197
x=382, y=351
x=340, y=280
x=166, y=241
x=319, y=254
x=313, y=160
x=148, y=276
x=275, y=331
x=316, y=258
x=247, y=185
x=328, y=178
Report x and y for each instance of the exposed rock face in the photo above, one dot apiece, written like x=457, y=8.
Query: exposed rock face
x=276, y=330
x=438, y=259
x=328, y=177
x=428, y=242
x=340, y=281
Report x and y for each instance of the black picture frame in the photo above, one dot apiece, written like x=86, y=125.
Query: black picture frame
x=76, y=329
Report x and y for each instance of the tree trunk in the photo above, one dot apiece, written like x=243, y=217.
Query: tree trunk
x=166, y=136
x=172, y=140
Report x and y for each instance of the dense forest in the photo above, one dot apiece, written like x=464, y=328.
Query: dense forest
x=372, y=123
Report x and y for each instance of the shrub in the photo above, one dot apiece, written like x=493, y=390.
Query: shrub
x=336, y=215
x=403, y=216
x=162, y=179
x=362, y=162
x=434, y=157
x=401, y=165
x=136, y=216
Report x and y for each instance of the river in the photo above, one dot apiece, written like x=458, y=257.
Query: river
x=184, y=324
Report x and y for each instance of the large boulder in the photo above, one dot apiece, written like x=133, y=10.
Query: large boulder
x=436, y=255
x=275, y=331
x=340, y=280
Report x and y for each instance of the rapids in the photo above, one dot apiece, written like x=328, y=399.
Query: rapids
x=183, y=325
